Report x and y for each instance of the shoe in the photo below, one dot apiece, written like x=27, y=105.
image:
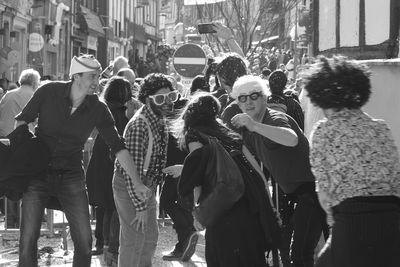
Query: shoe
x=190, y=247
x=174, y=255
x=97, y=251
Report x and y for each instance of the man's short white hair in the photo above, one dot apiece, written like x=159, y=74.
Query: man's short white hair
x=248, y=84
x=29, y=77
x=120, y=62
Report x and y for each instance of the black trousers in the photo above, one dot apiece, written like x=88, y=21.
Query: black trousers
x=182, y=218
x=107, y=229
x=366, y=232
x=236, y=239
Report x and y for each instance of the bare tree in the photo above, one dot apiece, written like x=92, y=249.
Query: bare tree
x=249, y=19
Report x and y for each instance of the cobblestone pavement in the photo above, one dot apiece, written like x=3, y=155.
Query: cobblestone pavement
x=52, y=252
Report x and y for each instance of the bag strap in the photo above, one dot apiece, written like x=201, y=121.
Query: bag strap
x=257, y=167
x=149, y=147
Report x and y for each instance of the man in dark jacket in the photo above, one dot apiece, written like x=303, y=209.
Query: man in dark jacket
x=67, y=113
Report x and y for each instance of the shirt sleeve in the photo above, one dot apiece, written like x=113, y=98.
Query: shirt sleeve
x=277, y=119
x=134, y=135
x=319, y=158
x=106, y=126
x=31, y=110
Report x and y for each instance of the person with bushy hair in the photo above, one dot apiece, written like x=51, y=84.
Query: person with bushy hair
x=241, y=234
x=356, y=163
x=146, y=137
x=278, y=142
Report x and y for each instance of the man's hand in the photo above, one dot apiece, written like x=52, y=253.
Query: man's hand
x=222, y=31
x=140, y=220
x=143, y=191
x=175, y=170
x=243, y=120
x=197, y=225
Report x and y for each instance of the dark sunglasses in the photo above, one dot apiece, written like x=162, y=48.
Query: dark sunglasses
x=160, y=99
x=253, y=96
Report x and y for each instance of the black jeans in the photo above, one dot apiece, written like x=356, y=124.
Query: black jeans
x=70, y=189
x=182, y=218
x=308, y=222
x=107, y=229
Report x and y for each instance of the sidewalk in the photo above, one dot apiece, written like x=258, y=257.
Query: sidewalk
x=52, y=253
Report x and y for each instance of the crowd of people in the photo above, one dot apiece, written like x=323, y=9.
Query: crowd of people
x=236, y=154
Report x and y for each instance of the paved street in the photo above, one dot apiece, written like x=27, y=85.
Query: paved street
x=52, y=254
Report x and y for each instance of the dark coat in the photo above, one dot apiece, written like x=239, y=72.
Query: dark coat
x=101, y=165
x=27, y=157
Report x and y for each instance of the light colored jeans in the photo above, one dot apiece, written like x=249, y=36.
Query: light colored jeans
x=136, y=248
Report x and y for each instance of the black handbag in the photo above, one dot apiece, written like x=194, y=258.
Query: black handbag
x=225, y=184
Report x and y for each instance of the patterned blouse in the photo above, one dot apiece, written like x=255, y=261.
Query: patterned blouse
x=353, y=155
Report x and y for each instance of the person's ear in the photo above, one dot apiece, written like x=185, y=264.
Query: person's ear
x=147, y=100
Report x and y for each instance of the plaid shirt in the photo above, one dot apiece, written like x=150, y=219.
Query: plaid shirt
x=136, y=141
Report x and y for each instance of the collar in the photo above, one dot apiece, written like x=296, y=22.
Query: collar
x=347, y=114
x=67, y=89
x=67, y=92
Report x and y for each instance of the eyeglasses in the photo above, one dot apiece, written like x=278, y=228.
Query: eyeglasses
x=253, y=96
x=160, y=99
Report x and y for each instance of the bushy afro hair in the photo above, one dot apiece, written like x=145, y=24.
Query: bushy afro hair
x=338, y=83
x=151, y=84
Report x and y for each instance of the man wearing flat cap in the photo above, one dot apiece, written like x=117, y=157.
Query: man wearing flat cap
x=67, y=112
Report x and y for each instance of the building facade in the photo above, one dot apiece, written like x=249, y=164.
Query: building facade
x=46, y=34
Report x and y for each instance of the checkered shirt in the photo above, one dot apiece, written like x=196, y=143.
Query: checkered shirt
x=136, y=141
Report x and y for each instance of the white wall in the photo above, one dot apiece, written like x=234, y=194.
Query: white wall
x=327, y=25
x=385, y=98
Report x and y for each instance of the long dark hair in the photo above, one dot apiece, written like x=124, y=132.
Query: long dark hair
x=200, y=114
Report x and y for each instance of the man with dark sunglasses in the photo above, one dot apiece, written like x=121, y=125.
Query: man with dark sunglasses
x=146, y=137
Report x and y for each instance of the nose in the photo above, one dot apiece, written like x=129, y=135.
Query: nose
x=167, y=100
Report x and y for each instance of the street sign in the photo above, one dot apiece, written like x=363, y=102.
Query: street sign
x=189, y=60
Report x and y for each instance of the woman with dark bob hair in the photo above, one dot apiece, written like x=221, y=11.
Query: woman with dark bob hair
x=116, y=93
x=356, y=163
x=239, y=236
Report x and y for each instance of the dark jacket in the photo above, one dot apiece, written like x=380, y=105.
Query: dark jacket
x=101, y=165
x=27, y=157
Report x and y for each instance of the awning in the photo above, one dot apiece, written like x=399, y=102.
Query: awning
x=266, y=40
x=92, y=21
x=153, y=37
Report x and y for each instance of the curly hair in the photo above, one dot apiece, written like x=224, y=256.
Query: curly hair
x=338, y=83
x=231, y=67
x=151, y=84
x=201, y=114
